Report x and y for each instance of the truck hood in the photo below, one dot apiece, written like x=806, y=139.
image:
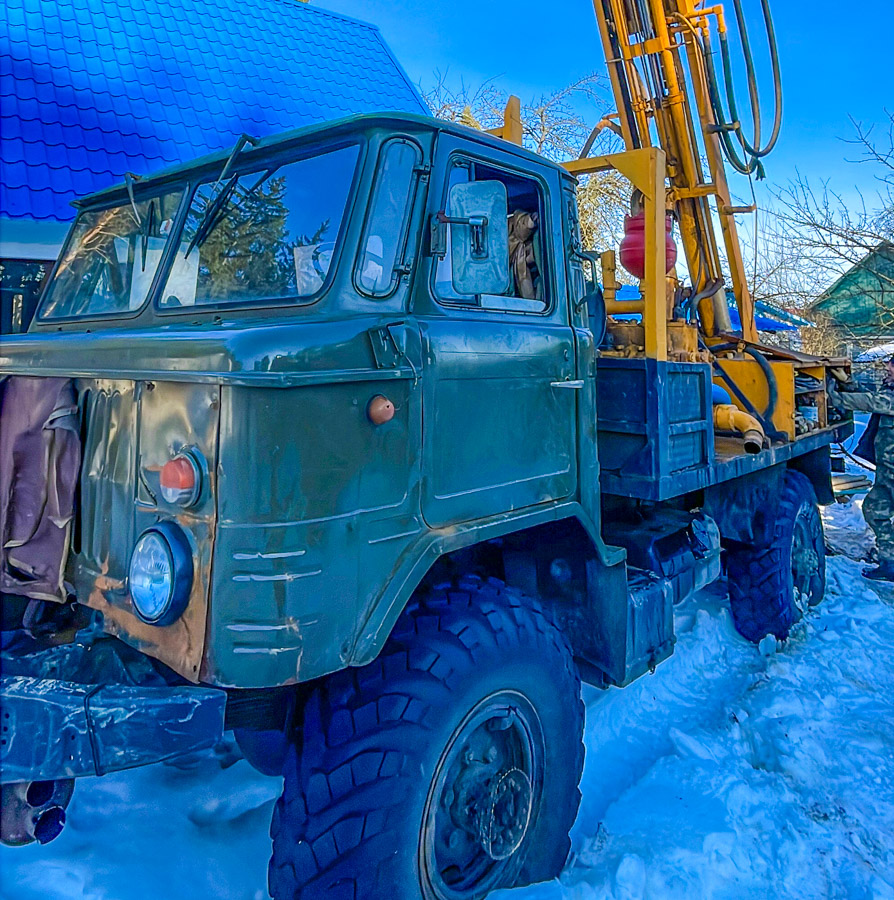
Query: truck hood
x=278, y=355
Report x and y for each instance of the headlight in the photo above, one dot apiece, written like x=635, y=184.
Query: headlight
x=160, y=577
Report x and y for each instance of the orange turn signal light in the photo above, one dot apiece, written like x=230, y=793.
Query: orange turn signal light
x=181, y=480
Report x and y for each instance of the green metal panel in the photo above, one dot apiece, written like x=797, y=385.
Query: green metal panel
x=316, y=504
x=497, y=435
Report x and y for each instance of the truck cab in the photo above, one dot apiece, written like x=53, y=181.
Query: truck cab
x=338, y=458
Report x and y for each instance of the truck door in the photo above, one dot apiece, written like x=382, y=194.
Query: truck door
x=499, y=391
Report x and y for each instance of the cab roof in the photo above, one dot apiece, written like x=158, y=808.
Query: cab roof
x=311, y=134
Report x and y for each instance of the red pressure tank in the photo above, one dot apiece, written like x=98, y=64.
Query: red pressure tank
x=633, y=245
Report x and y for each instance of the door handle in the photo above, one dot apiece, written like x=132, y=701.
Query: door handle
x=570, y=385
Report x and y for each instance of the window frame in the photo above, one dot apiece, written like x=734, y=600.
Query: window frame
x=400, y=257
x=274, y=162
x=550, y=300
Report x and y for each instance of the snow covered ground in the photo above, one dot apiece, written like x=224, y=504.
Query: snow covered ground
x=732, y=772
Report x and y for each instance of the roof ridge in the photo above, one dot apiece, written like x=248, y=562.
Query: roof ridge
x=305, y=4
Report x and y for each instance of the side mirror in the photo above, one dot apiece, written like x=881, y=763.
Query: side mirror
x=479, y=237
x=594, y=301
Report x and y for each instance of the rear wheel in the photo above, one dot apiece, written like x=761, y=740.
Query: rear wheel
x=445, y=769
x=772, y=585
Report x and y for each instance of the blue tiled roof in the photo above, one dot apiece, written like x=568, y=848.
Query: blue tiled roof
x=91, y=89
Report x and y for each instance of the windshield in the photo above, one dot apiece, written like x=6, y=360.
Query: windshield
x=266, y=235
x=111, y=258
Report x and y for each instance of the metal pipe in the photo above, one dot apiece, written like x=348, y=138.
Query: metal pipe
x=624, y=307
x=730, y=418
x=33, y=811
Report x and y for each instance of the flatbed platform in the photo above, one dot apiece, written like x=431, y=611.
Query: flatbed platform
x=729, y=461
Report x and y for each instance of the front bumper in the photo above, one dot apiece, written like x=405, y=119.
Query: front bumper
x=95, y=707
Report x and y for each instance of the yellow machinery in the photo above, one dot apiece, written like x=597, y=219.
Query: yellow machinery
x=659, y=61
x=677, y=132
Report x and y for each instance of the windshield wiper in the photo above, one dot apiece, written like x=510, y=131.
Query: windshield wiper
x=211, y=216
x=217, y=209
x=146, y=230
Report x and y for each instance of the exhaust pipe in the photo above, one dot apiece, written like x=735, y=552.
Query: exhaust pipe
x=33, y=811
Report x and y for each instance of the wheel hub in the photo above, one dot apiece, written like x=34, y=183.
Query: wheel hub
x=492, y=801
x=482, y=801
x=805, y=561
x=503, y=821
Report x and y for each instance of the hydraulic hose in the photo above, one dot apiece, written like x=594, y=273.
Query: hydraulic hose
x=708, y=290
x=766, y=368
x=765, y=418
x=734, y=388
x=726, y=126
x=754, y=148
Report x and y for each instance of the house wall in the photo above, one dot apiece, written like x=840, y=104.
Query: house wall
x=28, y=250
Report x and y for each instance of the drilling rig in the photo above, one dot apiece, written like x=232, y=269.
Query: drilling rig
x=678, y=117
x=341, y=451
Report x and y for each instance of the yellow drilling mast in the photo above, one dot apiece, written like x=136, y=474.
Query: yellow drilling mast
x=676, y=112
x=676, y=133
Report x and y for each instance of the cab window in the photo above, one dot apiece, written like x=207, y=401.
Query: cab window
x=528, y=275
x=268, y=235
x=111, y=258
x=385, y=234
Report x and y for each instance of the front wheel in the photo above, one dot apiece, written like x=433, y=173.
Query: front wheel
x=771, y=586
x=445, y=769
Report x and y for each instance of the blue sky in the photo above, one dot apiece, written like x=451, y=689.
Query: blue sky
x=836, y=61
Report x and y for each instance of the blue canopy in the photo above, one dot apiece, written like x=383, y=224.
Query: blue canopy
x=766, y=318
x=761, y=322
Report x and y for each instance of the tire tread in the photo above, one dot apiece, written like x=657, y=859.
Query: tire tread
x=759, y=575
x=366, y=717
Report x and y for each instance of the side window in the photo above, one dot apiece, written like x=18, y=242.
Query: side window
x=385, y=235
x=577, y=277
x=460, y=173
x=528, y=283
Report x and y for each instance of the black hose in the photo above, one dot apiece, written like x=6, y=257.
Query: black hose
x=769, y=430
x=766, y=368
x=766, y=423
x=751, y=78
x=754, y=148
x=627, y=110
x=864, y=464
x=727, y=126
x=708, y=290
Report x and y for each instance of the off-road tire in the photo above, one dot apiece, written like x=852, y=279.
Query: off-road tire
x=358, y=777
x=762, y=578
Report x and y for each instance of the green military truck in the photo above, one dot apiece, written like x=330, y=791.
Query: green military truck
x=314, y=441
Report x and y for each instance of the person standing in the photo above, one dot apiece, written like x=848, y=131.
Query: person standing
x=877, y=446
